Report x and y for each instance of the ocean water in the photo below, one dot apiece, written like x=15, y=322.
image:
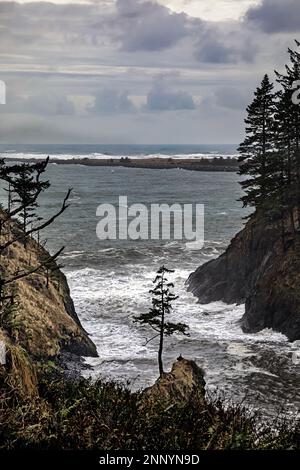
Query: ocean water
x=110, y=282
x=68, y=152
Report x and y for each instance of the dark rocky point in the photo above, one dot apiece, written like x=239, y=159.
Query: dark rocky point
x=259, y=269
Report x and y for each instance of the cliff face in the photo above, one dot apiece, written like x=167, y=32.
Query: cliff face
x=258, y=270
x=43, y=320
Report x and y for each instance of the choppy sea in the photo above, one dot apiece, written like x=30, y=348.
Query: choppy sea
x=110, y=280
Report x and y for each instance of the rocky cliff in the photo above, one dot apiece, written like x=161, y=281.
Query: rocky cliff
x=42, y=320
x=260, y=268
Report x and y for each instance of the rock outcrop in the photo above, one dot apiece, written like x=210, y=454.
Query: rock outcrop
x=260, y=269
x=177, y=386
x=43, y=321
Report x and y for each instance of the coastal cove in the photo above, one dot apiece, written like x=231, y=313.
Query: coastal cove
x=149, y=232
x=110, y=281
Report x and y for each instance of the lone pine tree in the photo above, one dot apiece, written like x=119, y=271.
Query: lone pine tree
x=162, y=299
x=258, y=147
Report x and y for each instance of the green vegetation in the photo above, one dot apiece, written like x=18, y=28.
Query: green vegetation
x=24, y=188
x=97, y=415
x=259, y=146
x=21, y=256
x=270, y=153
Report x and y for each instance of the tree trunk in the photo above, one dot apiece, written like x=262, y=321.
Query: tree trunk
x=9, y=198
x=160, y=351
x=263, y=169
x=292, y=220
x=24, y=228
x=162, y=327
x=298, y=168
x=282, y=231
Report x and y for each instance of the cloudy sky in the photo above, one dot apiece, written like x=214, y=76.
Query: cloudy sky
x=137, y=71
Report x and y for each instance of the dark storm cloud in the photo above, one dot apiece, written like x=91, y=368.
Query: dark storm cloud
x=148, y=26
x=225, y=44
x=274, y=16
x=112, y=101
x=161, y=99
x=61, y=33
x=214, y=52
x=55, y=56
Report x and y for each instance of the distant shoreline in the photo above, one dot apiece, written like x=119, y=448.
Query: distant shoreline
x=193, y=164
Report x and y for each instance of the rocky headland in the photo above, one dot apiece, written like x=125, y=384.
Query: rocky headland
x=42, y=323
x=261, y=268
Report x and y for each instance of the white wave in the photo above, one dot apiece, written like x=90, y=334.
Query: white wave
x=194, y=246
x=72, y=254
x=30, y=156
x=107, y=300
x=128, y=294
x=101, y=156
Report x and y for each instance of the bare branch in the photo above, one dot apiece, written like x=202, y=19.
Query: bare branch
x=151, y=339
x=39, y=227
x=54, y=217
x=33, y=270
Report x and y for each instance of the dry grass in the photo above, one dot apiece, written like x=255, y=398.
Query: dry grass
x=107, y=416
x=44, y=325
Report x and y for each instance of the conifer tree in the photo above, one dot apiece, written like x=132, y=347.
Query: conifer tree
x=258, y=147
x=282, y=166
x=25, y=186
x=162, y=299
x=11, y=233
x=288, y=119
